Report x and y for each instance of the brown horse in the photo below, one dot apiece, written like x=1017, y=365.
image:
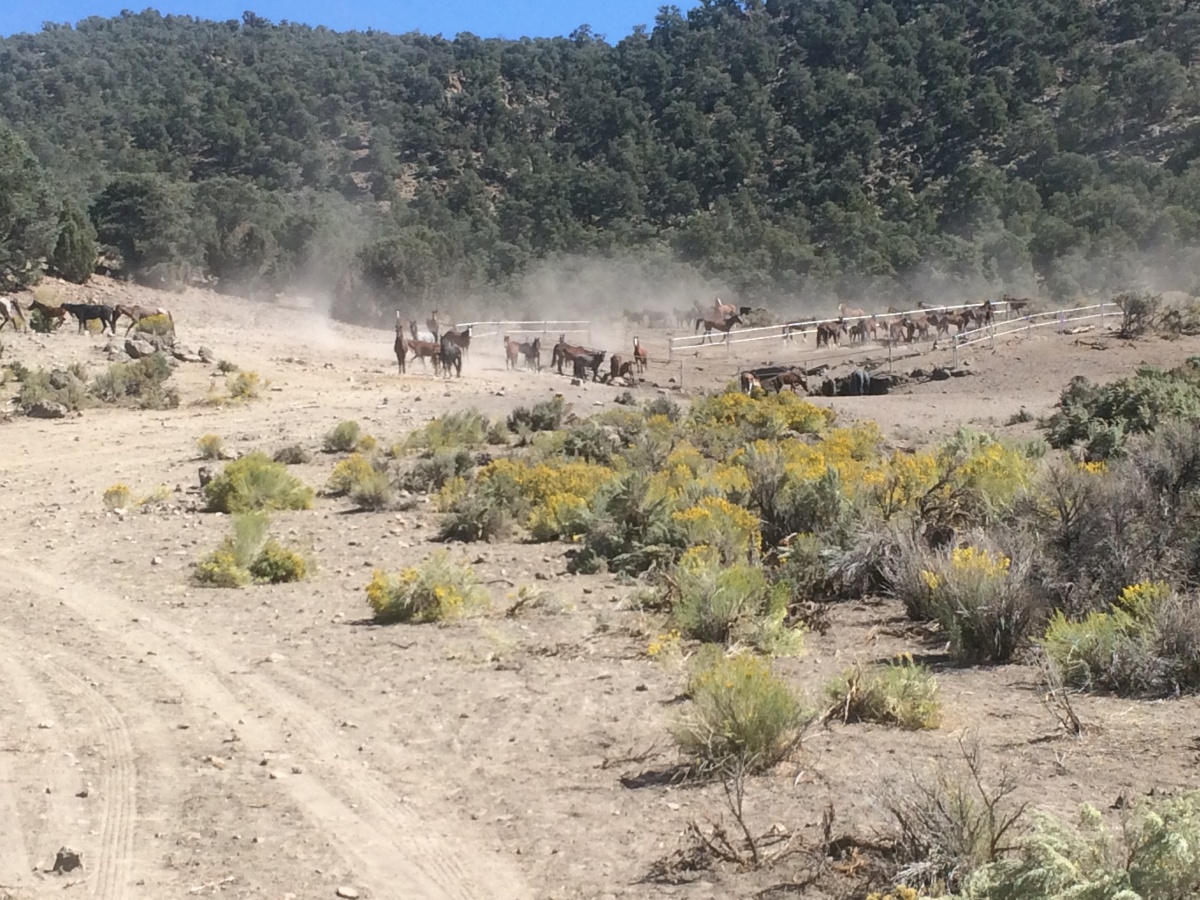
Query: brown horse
x=724, y=326
x=721, y=310
x=986, y=313
x=50, y=313
x=640, y=357
x=137, y=313
x=433, y=323
x=423, y=350
x=10, y=311
x=512, y=352
x=566, y=353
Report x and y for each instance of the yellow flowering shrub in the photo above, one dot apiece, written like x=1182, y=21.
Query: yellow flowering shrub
x=435, y=591
x=351, y=471
x=116, y=496
x=664, y=644
x=729, y=529
x=1140, y=600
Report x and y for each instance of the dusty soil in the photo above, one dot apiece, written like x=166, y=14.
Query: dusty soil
x=269, y=742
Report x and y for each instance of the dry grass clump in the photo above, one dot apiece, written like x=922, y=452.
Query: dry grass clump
x=293, y=455
x=343, y=437
x=116, y=496
x=211, y=446
x=245, y=386
x=900, y=693
x=461, y=428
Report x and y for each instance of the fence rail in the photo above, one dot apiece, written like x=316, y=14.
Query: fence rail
x=543, y=326
x=787, y=331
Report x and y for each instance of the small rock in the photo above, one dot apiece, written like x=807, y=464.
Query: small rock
x=85, y=793
x=348, y=893
x=206, y=474
x=157, y=561
x=206, y=355
x=45, y=723
x=137, y=348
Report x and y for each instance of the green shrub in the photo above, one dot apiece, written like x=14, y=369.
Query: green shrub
x=245, y=386
x=293, y=455
x=724, y=604
x=432, y=473
x=901, y=693
x=1148, y=642
x=1155, y=855
x=142, y=381
x=741, y=717
x=248, y=555
x=437, y=590
x=39, y=385
x=663, y=406
x=477, y=517
x=255, y=482
x=211, y=446
x=545, y=416
x=461, y=428
x=590, y=441
x=1096, y=419
x=343, y=437
x=276, y=564
x=1139, y=312
x=630, y=529
x=372, y=491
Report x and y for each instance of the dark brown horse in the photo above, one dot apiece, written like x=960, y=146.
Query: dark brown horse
x=710, y=326
x=400, y=345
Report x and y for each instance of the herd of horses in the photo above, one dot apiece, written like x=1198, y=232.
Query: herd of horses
x=445, y=351
x=84, y=313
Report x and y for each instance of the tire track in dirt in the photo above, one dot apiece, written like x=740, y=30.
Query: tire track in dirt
x=56, y=821
x=118, y=786
x=394, y=852
x=118, y=779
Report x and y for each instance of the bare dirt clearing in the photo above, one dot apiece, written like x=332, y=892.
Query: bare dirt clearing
x=267, y=742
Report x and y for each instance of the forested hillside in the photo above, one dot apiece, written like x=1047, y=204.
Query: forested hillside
x=775, y=146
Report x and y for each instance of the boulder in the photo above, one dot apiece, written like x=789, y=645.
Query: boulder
x=185, y=354
x=138, y=348
x=47, y=409
x=206, y=355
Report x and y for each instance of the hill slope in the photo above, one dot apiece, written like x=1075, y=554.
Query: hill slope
x=770, y=145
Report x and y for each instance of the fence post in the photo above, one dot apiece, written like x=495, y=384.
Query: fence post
x=889, y=356
x=956, y=351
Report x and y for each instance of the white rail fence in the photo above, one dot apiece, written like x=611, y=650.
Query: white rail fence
x=789, y=331
x=1025, y=324
x=547, y=326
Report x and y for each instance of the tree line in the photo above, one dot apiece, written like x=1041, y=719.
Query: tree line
x=772, y=145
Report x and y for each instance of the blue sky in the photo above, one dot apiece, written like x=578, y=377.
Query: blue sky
x=499, y=18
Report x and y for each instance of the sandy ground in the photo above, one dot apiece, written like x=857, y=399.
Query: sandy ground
x=270, y=742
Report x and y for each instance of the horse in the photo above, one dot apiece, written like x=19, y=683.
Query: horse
x=722, y=310
x=640, y=358
x=793, y=327
x=656, y=319
x=634, y=317
x=10, y=311
x=137, y=313
x=55, y=313
x=590, y=359
x=849, y=312
x=423, y=350
x=434, y=325
x=400, y=346
x=86, y=312
x=710, y=325
x=512, y=352
x=460, y=339
x=451, y=355
x=533, y=354
x=791, y=378
x=1016, y=304
x=619, y=367
x=749, y=383
x=830, y=333
x=986, y=313
x=564, y=352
